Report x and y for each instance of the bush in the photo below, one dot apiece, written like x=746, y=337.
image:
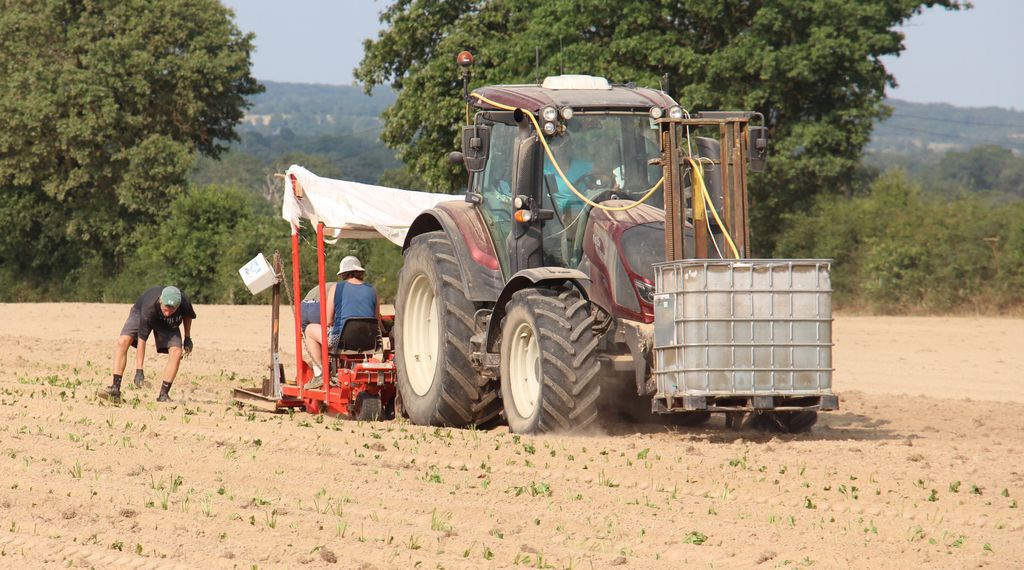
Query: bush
x=896, y=250
x=209, y=233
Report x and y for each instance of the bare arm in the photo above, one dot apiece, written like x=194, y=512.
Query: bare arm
x=330, y=305
x=140, y=353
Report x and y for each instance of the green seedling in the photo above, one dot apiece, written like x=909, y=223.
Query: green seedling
x=441, y=522
x=695, y=537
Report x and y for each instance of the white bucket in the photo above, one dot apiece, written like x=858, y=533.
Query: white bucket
x=257, y=274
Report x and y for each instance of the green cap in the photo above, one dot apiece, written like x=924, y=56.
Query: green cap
x=170, y=296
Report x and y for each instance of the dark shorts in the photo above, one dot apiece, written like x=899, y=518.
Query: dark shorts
x=165, y=337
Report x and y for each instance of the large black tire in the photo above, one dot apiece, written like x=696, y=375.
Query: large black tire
x=433, y=325
x=783, y=422
x=549, y=366
x=369, y=408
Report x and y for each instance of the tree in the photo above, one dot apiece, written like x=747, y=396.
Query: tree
x=812, y=67
x=103, y=107
x=209, y=232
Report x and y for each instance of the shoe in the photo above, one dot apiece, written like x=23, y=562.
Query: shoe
x=315, y=382
x=110, y=393
x=163, y=398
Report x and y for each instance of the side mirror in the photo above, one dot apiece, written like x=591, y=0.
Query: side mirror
x=757, y=148
x=476, y=142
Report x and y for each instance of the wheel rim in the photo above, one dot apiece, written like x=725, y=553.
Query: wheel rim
x=524, y=370
x=420, y=334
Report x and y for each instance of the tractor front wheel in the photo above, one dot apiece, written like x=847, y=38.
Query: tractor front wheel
x=549, y=366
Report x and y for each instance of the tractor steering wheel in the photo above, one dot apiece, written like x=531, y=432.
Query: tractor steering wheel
x=595, y=181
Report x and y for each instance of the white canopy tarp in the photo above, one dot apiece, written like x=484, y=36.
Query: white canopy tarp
x=359, y=211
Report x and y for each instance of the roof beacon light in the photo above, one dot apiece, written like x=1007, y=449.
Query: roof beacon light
x=657, y=113
x=675, y=112
x=464, y=59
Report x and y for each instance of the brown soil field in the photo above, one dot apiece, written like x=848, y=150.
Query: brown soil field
x=919, y=468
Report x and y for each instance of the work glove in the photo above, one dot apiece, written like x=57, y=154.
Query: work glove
x=140, y=378
x=186, y=347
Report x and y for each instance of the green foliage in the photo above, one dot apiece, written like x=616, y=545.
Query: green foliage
x=208, y=234
x=991, y=172
x=812, y=67
x=102, y=109
x=896, y=250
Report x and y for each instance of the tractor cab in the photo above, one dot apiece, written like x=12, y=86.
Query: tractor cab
x=600, y=143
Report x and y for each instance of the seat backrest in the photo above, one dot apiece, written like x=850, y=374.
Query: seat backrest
x=359, y=335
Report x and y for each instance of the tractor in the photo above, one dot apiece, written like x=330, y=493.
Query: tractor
x=599, y=268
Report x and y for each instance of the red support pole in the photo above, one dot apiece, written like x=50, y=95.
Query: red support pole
x=324, y=362
x=297, y=306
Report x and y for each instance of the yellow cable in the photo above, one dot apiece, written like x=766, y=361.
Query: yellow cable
x=558, y=168
x=697, y=175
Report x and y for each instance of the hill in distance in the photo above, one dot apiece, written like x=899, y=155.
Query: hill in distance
x=914, y=128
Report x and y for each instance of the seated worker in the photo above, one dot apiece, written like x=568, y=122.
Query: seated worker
x=574, y=169
x=351, y=298
x=309, y=312
x=589, y=176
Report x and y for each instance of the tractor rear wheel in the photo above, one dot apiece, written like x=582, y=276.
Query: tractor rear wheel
x=433, y=324
x=549, y=366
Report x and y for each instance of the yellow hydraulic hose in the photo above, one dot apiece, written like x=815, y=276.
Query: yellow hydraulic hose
x=558, y=168
x=697, y=176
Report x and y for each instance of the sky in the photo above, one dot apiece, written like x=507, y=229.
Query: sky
x=968, y=58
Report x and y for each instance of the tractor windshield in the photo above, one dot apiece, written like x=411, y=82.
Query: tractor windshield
x=603, y=156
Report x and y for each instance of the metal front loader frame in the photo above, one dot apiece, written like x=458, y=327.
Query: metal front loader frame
x=734, y=136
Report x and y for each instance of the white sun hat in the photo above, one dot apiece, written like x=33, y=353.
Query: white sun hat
x=350, y=263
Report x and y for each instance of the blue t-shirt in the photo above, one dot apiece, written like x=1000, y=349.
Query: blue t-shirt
x=352, y=301
x=563, y=195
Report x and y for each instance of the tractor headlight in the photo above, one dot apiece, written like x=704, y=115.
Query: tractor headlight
x=549, y=128
x=657, y=113
x=645, y=290
x=566, y=113
x=675, y=112
x=549, y=114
